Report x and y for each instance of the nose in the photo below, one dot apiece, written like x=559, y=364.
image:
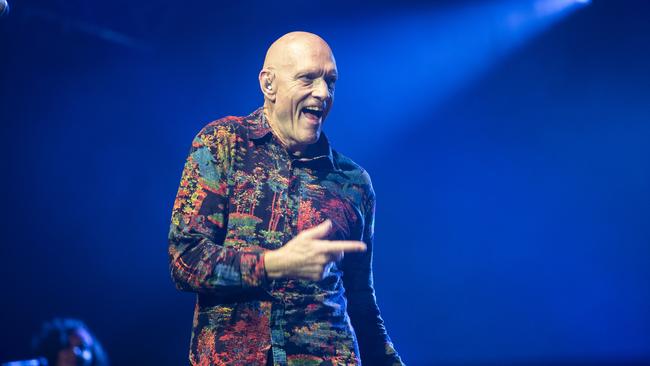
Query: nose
x=320, y=89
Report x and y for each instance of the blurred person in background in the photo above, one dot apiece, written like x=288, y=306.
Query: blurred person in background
x=68, y=342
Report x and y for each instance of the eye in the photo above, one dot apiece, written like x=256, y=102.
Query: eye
x=330, y=82
x=307, y=79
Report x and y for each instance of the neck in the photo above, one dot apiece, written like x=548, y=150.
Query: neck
x=293, y=148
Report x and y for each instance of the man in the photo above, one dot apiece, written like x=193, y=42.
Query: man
x=265, y=211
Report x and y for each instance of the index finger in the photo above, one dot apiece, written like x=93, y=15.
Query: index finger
x=332, y=246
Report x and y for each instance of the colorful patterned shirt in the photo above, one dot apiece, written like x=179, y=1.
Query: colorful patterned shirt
x=242, y=193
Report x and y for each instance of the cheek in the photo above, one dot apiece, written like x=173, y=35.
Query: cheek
x=295, y=109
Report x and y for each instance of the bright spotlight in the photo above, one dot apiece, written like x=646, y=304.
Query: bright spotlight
x=4, y=7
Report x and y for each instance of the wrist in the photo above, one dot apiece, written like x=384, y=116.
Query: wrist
x=273, y=264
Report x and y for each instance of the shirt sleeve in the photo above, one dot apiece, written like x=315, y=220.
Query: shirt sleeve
x=199, y=261
x=375, y=345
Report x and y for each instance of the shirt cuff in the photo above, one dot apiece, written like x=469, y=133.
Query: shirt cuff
x=253, y=270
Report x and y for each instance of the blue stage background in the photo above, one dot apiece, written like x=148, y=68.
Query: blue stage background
x=508, y=142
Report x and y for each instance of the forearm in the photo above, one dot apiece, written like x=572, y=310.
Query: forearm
x=200, y=265
x=375, y=345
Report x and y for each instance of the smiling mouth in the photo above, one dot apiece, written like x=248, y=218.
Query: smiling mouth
x=313, y=112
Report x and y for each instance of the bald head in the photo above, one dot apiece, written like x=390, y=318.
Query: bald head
x=294, y=45
x=297, y=81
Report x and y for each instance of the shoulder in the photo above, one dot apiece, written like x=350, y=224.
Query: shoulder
x=222, y=130
x=234, y=129
x=355, y=174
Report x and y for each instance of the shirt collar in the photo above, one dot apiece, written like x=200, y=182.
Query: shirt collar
x=318, y=155
x=258, y=126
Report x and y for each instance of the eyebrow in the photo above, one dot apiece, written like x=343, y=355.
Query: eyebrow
x=312, y=73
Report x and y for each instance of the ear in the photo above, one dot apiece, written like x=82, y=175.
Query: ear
x=267, y=84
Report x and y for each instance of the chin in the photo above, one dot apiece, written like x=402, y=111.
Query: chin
x=311, y=139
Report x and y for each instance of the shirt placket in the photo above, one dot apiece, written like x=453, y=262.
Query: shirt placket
x=278, y=319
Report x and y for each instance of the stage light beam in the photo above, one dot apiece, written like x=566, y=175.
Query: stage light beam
x=423, y=58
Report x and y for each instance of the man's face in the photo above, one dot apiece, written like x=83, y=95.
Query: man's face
x=305, y=93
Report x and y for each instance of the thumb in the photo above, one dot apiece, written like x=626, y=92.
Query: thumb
x=319, y=231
